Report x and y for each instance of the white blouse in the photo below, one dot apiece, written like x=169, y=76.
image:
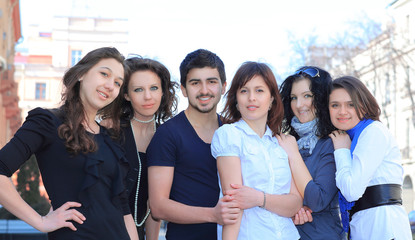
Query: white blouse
x=376, y=160
x=265, y=167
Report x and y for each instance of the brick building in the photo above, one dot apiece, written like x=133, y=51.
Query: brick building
x=10, y=118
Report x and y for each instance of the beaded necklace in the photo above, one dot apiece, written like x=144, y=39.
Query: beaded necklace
x=145, y=121
x=138, y=181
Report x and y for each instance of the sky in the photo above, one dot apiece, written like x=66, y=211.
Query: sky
x=236, y=30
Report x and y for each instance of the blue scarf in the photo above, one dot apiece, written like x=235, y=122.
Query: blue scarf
x=344, y=205
x=307, y=133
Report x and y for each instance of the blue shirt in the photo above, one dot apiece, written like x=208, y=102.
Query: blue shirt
x=320, y=194
x=264, y=166
x=195, y=181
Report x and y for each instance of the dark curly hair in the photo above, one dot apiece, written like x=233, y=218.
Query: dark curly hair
x=168, y=105
x=245, y=73
x=199, y=59
x=320, y=86
x=72, y=131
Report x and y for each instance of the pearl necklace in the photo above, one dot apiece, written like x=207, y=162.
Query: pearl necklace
x=147, y=121
x=139, y=178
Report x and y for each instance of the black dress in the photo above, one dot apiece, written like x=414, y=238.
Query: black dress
x=95, y=179
x=130, y=148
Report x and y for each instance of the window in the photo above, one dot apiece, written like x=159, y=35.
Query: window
x=40, y=91
x=76, y=55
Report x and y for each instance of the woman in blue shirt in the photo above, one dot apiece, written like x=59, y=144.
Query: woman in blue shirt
x=306, y=115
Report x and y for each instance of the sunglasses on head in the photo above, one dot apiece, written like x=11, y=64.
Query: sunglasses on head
x=310, y=71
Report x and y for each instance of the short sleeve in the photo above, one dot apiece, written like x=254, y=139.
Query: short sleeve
x=35, y=133
x=162, y=148
x=226, y=142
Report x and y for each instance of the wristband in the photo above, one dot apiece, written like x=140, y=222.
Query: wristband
x=265, y=200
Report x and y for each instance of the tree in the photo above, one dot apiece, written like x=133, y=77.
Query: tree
x=301, y=48
x=382, y=56
x=28, y=179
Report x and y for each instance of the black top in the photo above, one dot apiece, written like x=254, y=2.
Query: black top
x=94, y=179
x=129, y=145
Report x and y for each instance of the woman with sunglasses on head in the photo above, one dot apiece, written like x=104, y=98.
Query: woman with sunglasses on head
x=82, y=168
x=247, y=152
x=306, y=116
x=149, y=100
x=368, y=162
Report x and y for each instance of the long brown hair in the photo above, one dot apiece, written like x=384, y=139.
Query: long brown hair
x=364, y=102
x=245, y=73
x=72, y=131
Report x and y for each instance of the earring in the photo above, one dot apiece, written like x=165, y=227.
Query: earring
x=270, y=106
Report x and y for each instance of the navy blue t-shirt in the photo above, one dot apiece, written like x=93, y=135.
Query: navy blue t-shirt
x=195, y=182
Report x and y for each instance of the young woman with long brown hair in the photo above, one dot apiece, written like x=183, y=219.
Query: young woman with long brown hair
x=83, y=169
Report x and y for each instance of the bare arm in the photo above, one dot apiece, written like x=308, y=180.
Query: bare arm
x=11, y=200
x=152, y=228
x=130, y=225
x=299, y=170
x=229, y=169
x=285, y=205
x=162, y=207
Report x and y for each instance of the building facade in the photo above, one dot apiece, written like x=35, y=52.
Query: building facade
x=10, y=119
x=48, y=52
x=387, y=67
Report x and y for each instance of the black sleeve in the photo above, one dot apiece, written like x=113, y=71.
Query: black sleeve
x=35, y=133
x=125, y=203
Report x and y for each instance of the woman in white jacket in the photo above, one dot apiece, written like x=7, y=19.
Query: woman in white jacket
x=368, y=161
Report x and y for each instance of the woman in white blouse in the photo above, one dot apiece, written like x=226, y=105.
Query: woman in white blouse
x=368, y=162
x=248, y=153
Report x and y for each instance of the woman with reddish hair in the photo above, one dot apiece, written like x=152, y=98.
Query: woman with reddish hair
x=253, y=167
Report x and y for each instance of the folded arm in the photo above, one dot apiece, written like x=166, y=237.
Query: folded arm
x=285, y=205
x=160, y=179
x=229, y=169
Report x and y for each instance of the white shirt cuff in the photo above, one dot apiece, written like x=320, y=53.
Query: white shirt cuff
x=343, y=158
